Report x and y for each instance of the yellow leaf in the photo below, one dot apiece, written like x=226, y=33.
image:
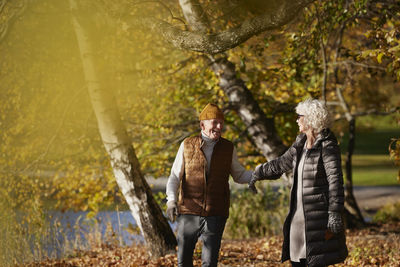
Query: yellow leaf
x=379, y=58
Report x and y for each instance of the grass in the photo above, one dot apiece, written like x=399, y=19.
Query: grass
x=375, y=142
x=372, y=165
x=388, y=213
x=374, y=170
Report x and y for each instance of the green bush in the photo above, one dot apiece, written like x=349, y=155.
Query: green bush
x=257, y=215
x=388, y=213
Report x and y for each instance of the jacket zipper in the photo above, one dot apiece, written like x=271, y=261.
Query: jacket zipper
x=205, y=179
x=302, y=202
x=205, y=190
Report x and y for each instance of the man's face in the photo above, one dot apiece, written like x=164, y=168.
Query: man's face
x=212, y=128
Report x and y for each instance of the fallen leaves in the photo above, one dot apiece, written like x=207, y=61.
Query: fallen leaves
x=376, y=245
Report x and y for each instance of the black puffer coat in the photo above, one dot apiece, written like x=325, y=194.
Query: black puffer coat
x=322, y=192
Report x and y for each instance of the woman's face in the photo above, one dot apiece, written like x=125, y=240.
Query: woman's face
x=300, y=122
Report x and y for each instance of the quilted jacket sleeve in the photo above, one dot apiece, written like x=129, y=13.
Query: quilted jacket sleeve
x=275, y=168
x=333, y=169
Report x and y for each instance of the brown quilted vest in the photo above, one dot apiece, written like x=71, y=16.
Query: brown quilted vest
x=201, y=195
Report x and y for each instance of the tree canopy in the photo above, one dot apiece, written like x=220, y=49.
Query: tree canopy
x=160, y=72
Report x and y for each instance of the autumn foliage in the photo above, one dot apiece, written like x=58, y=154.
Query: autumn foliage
x=376, y=245
x=51, y=152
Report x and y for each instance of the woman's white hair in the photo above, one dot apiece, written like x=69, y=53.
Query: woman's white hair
x=316, y=115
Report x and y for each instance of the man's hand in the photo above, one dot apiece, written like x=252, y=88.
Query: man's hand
x=252, y=186
x=335, y=224
x=255, y=176
x=172, y=210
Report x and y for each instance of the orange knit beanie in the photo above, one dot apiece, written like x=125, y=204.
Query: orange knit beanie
x=211, y=111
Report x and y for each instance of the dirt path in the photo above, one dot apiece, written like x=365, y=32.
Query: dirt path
x=371, y=198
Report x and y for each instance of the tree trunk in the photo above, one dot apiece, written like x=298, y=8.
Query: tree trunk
x=354, y=217
x=219, y=42
x=153, y=225
x=260, y=128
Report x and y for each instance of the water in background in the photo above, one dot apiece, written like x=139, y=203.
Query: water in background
x=70, y=231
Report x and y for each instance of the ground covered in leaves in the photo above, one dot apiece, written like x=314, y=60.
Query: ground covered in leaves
x=375, y=245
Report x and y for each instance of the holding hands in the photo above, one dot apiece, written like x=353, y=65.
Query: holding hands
x=256, y=176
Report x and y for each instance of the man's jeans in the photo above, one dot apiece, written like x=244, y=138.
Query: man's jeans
x=209, y=229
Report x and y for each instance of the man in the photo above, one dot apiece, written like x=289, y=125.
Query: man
x=198, y=189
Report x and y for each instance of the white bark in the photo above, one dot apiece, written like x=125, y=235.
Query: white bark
x=201, y=41
x=147, y=214
x=261, y=129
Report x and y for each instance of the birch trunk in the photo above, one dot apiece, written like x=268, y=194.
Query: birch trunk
x=153, y=225
x=219, y=42
x=260, y=128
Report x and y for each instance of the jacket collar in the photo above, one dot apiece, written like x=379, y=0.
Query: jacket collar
x=325, y=134
x=204, y=139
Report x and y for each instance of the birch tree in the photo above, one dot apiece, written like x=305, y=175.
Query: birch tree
x=202, y=38
x=146, y=212
x=199, y=35
x=261, y=129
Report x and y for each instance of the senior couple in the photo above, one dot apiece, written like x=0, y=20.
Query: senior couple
x=198, y=190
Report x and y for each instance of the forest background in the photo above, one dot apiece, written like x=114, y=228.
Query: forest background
x=155, y=79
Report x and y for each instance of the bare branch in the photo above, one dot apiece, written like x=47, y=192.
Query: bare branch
x=15, y=12
x=58, y=130
x=333, y=103
x=166, y=70
x=2, y=5
x=350, y=62
x=371, y=112
x=165, y=6
x=154, y=126
x=324, y=59
x=343, y=103
x=3, y=30
x=376, y=112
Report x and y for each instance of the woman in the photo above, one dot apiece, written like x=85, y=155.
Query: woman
x=313, y=230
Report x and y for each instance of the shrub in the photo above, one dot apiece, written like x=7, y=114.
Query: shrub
x=388, y=213
x=257, y=215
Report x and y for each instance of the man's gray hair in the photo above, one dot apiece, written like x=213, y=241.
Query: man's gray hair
x=316, y=114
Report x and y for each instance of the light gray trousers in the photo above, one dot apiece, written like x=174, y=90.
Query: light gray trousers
x=209, y=229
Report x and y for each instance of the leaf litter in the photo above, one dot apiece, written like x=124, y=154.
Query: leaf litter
x=375, y=245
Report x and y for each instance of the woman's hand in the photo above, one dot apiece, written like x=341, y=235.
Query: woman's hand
x=255, y=176
x=335, y=224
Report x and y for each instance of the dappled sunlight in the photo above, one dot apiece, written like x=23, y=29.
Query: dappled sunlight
x=80, y=111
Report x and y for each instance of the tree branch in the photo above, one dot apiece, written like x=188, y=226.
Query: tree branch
x=345, y=62
x=2, y=5
x=223, y=41
x=195, y=15
x=15, y=12
x=58, y=130
x=371, y=112
x=324, y=59
x=165, y=6
x=376, y=112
